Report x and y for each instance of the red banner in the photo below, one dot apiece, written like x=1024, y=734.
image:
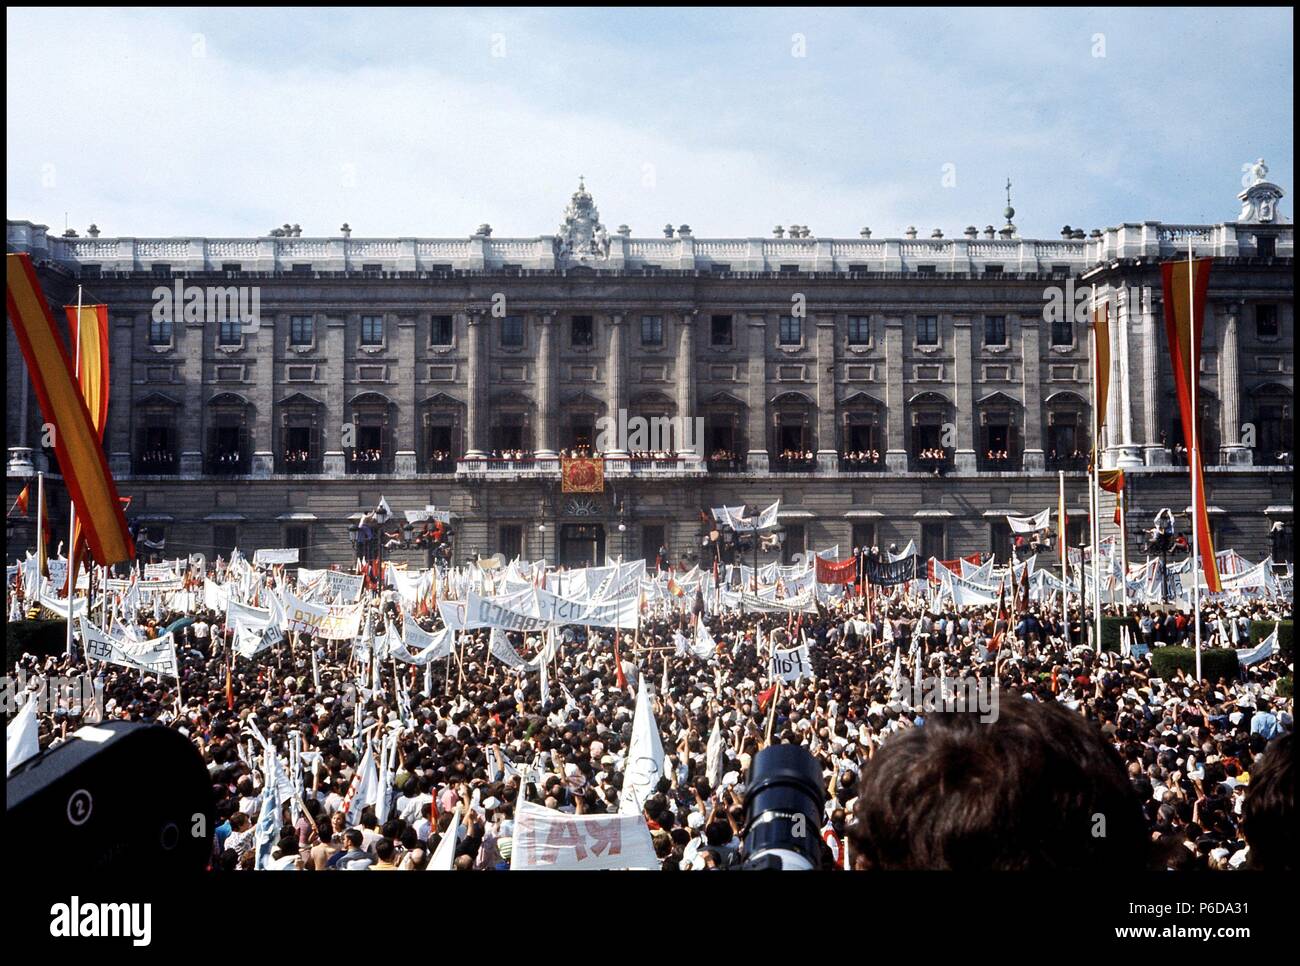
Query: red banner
x=582, y=476
x=837, y=571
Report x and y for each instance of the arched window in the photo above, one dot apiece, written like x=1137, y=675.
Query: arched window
x=998, y=446
x=511, y=430
x=931, y=413
x=300, y=442
x=794, y=443
x=229, y=448
x=372, y=435
x=441, y=425
x=862, y=434
x=725, y=445
x=1274, y=426
x=1207, y=439
x=1067, y=431
x=651, y=433
x=157, y=445
x=581, y=430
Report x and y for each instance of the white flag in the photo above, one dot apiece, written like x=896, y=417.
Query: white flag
x=713, y=762
x=22, y=736
x=645, y=758
x=444, y=856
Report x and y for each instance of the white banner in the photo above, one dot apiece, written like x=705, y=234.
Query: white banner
x=151, y=657
x=341, y=624
x=266, y=558
x=790, y=665
x=546, y=839
x=419, y=647
x=1040, y=521
x=303, y=616
x=330, y=585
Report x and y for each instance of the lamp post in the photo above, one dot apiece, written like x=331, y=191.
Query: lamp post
x=541, y=541
x=622, y=529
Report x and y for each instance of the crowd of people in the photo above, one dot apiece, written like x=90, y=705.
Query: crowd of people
x=1174, y=762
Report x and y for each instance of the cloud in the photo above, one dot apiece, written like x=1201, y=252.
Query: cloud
x=405, y=123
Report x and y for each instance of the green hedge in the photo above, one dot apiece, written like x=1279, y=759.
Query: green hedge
x=1285, y=632
x=34, y=637
x=1216, y=662
x=1110, y=632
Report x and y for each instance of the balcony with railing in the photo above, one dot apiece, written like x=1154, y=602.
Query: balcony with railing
x=1273, y=457
x=998, y=461
x=862, y=462
x=1067, y=463
x=514, y=466
x=792, y=462
x=934, y=461
x=155, y=463
x=227, y=462
x=440, y=461
x=299, y=461
x=724, y=461
x=365, y=462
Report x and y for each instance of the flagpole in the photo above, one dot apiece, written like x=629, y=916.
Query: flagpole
x=71, y=576
x=1063, y=543
x=1094, y=525
x=1123, y=547
x=1195, y=456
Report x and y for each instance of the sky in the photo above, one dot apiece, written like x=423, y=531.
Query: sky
x=429, y=123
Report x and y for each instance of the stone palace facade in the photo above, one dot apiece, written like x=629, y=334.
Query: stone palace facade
x=884, y=389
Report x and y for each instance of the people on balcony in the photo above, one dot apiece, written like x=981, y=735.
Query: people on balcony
x=861, y=458
x=439, y=456
x=366, y=458
x=655, y=456
x=997, y=456
x=935, y=457
x=157, y=459
x=581, y=452
x=297, y=458
x=227, y=460
x=513, y=455
x=796, y=456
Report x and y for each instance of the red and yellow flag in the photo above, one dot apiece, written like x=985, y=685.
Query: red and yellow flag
x=1183, y=326
x=90, y=330
x=76, y=440
x=1112, y=481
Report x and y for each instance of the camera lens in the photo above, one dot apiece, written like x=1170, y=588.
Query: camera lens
x=783, y=804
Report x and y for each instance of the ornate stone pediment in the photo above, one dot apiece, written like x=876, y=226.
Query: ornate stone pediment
x=1260, y=199
x=581, y=238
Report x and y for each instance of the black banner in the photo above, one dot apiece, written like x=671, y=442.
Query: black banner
x=886, y=574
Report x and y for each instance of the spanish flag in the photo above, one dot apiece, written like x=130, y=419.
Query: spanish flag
x=90, y=329
x=1184, y=281
x=76, y=440
x=21, y=505
x=1112, y=481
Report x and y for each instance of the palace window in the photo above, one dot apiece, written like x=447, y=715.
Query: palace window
x=160, y=331
x=652, y=330
x=1266, y=321
x=512, y=331
x=720, y=330
x=791, y=330
x=372, y=330
x=440, y=330
x=581, y=331
x=859, y=330
x=927, y=330
x=995, y=330
x=302, y=330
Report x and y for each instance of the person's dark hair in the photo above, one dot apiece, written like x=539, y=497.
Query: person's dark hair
x=384, y=850
x=1268, y=813
x=1038, y=787
x=354, y=838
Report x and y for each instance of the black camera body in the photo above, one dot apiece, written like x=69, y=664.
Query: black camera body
x=114, y=796
x=783, y=807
